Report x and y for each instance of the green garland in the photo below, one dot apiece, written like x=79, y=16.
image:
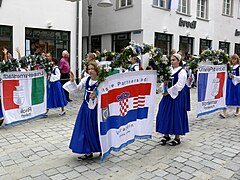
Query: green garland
x=217, y=57
x=32, y=62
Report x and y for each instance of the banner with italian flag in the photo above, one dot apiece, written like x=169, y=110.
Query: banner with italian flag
x=23, y=95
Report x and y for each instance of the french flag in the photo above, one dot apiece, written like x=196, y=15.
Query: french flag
x=210, y=86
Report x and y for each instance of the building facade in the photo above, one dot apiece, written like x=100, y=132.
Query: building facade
x=42, y=26
x=193, y=26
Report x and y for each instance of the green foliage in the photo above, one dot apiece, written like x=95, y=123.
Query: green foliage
x=217, y=57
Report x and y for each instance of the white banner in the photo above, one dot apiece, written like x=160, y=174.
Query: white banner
x=125, y=109
x=211, y=88
x=23, y=95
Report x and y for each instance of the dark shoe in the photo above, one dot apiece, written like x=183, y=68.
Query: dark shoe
x=62, y=113
x=69, y=100
x=164, y=140
x=45, y=115
x=174, y=142
x=1, y=121
x=86, y=156
x=222, y=115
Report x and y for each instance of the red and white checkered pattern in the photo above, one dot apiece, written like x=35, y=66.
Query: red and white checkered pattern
x=139, y=101
x=124, y=107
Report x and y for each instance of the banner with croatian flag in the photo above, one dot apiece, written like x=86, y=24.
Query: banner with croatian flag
x=23, y=95
x=212, y=81
x=126, y=109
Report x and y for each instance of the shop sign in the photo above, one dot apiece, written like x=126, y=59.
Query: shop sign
x=188, y=24
x=237, y=32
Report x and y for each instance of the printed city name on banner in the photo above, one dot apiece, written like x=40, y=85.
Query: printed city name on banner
x=211, y=88
x=126, y=109
x=23, y=95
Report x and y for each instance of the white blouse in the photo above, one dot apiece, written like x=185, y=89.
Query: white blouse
x=182, y=79
x=55, y=77
x=236, y=79
x=72, y=87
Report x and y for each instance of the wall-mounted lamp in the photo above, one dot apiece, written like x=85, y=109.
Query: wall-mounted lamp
x=165, y=29
x=225, y=39
x=49, y=24
x=188, y=33
x=207, y=36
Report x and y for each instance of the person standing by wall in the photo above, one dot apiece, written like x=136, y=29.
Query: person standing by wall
x=65, y=70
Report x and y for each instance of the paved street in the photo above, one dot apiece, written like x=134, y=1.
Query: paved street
x=38, y=149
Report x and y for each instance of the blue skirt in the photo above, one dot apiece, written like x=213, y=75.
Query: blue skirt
x=85, y=138
x=187, y=90
x=1, y=112
x=55, y=96
x=233, y=94
x=172, y=115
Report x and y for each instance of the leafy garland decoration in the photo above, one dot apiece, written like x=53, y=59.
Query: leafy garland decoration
x=31, y=62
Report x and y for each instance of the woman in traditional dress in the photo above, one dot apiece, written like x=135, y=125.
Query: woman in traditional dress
x=85, y=138
x=233, y=86
x=172, y=115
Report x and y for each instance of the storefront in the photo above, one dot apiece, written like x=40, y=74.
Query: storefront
x=164, y=42
x=186, y=44
x=6, y=33
x=43, y=41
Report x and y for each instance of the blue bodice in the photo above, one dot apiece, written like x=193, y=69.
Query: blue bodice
x=89, y=89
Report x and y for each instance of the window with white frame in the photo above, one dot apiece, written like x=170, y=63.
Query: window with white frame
x=184, y=6
x=202, y=9
x=239, y=9
x=124, y=3
x=227, y=7
x=161, y=3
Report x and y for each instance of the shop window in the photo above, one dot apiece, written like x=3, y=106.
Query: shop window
x=120, y=41
x=164, y=42
x=204, y=44
x=41, y=40
x=186, y=44
x=96, y=43
x=5, y=40
x=224, y=46
x=237, y=49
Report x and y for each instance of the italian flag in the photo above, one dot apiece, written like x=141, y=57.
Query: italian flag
x=23, y=95
x=29, y=92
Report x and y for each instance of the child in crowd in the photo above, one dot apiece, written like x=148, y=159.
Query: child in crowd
x=56, y=97
x=233, y=86
x=85, y=138
x=172, y=115
x=134, y=66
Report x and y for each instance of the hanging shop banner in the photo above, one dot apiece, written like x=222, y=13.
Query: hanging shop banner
x=23, y=95
x=211, y=88
x=126, y=109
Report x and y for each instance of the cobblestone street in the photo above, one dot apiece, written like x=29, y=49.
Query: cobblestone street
x=38, y=149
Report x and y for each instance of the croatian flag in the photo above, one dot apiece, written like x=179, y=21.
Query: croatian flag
x=211, y=88
x=126, y=109
x=173, y=4
x=23, y=95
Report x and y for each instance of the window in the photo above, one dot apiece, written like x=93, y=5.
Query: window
x=239, y=9
x=164, y=42
x=184, y=6
x=120, y=41
x=224, y=46
x=237, y=49
x=96, y=43
x=227, y=7
x=41, y=40
x=202, y=9
x=204, y=44
x=5, y=39
x=124, y=3
x=186, y=44
x=161, y=3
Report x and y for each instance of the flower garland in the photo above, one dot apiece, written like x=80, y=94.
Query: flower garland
x=217, y=57
x=122, y=59
x=31, y=62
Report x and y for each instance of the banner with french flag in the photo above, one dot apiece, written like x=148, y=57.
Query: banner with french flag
x=126, y=109
x=212, y=81
x=23, y=95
